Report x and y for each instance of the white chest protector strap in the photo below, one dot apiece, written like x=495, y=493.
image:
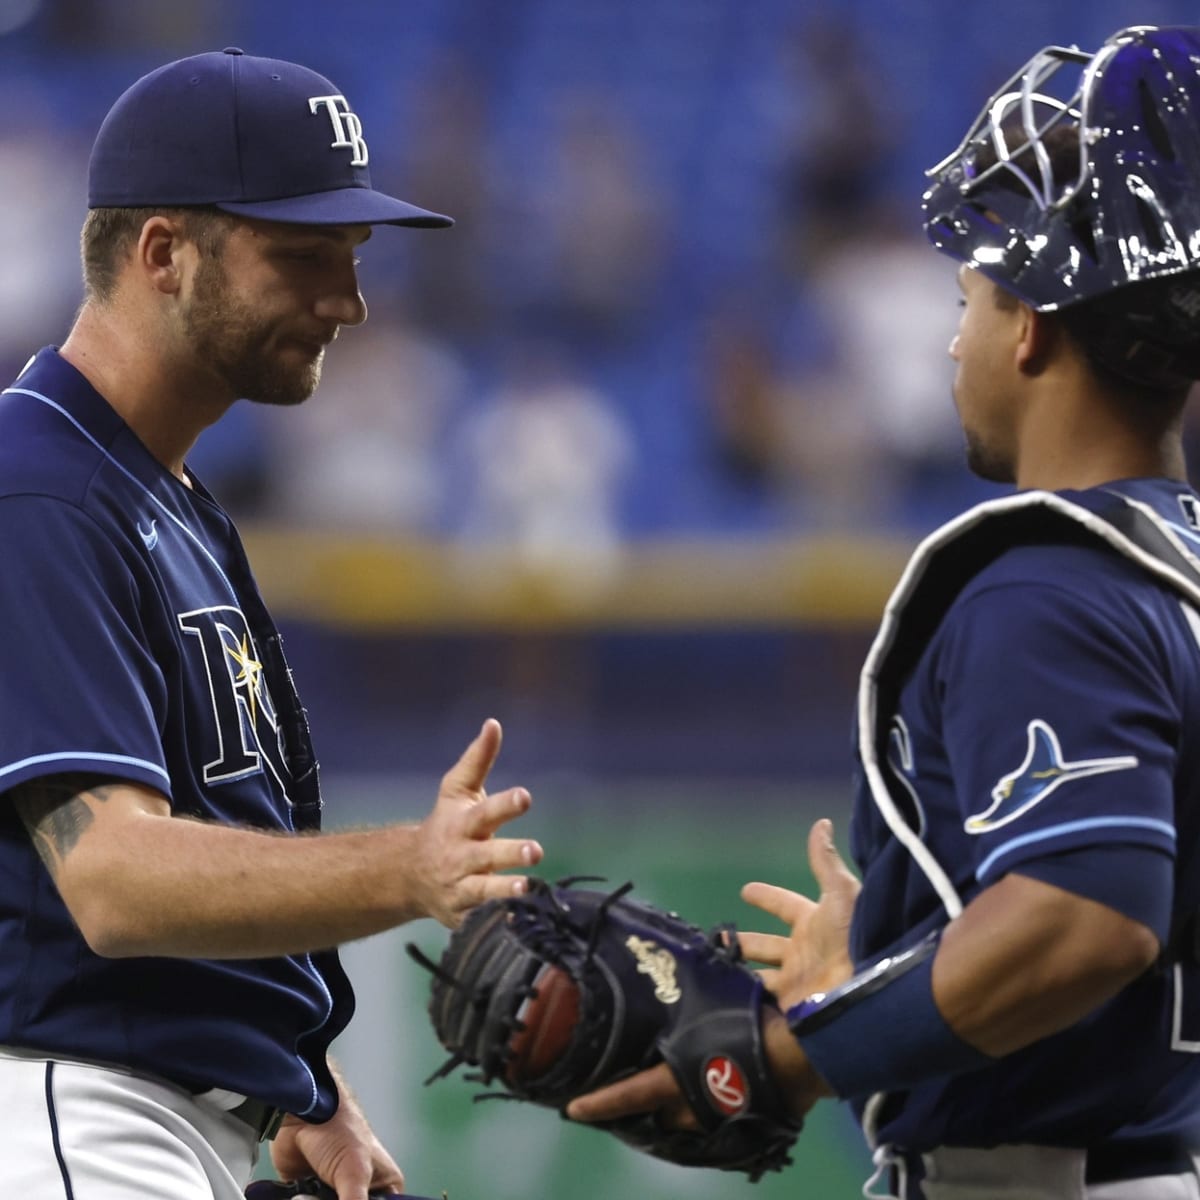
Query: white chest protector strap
x=941, y=567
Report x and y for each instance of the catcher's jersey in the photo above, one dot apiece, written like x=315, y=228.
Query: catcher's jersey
x=136, y=646
x=1048, y=728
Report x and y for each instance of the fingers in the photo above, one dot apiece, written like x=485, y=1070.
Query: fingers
x=767, y=948
x=501, y=854
x=647, y=1091
x=479, y=879
x=470, y=773
x=484, y=818
x=490, y=887
x=779, y=902
x=771, y=980
x=504, y=854
x=462, y=853
x=829, y=869
x=827, y=864
x=350, y=1179
x=386, y=1177
x=477, y=822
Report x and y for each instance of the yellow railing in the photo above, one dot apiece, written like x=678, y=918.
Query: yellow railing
x=357, y=582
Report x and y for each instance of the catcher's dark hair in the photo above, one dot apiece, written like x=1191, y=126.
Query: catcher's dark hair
x=108, y=233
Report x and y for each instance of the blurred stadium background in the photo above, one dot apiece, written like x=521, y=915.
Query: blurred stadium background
x=628, y=459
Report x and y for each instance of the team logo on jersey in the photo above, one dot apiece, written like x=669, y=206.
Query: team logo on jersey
x=1043, y=770
x=244, y=719
x=149, y=536
x=347, y=128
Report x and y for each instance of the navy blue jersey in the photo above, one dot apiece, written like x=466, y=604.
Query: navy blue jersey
x=137, y=647
x=1047, y=727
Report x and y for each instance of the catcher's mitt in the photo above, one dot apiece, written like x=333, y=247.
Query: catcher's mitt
x=565, y=989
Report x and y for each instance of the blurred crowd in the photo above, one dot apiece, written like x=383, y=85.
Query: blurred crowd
x=687, y=292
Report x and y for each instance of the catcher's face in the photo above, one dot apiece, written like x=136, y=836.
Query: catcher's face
x=983, y=395
x=261, y=312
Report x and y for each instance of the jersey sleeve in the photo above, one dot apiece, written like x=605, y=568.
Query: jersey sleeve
x=78, y=682
x=1061, y=720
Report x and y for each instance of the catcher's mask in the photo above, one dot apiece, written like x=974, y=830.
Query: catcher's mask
x=1080, y=179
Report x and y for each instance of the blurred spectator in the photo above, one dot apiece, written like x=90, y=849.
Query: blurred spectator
x=768, y=330
x=125, y=25
x=893, y=307
x=39, y=285
x=848, y=414
x=858, y=431
x=364, y=454
x=798, y=437
x=446, y=146
x=543, y=461
x=590, y=230
x=818, y=379
x=743, y=391
x=834, y=165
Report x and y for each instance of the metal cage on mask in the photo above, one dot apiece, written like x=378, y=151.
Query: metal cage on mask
x=1077, y=188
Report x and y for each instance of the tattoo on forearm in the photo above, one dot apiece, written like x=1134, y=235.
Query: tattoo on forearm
x=57, y=812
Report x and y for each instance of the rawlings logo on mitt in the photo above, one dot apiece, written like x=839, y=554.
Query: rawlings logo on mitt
x=558, y=992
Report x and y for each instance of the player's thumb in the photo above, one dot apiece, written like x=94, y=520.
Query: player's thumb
x=833, y=876
x=470, y=773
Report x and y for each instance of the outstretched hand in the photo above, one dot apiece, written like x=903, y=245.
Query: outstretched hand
x=815, y=956
x=457, y=856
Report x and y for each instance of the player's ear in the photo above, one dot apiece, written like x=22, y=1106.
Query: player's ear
x=161, y=254
x=1038, y=335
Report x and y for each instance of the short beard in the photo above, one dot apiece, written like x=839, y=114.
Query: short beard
x=229, y=339
x=987, y=465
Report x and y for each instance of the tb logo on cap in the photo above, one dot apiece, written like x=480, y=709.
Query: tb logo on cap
x=347, y=128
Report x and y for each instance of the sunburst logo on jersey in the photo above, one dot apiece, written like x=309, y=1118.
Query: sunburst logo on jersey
x=247, y=675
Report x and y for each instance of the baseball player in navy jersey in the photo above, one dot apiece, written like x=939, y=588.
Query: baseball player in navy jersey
x=1008, y=990
x=169, y=986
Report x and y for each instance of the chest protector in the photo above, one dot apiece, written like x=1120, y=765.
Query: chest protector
x=941, y=566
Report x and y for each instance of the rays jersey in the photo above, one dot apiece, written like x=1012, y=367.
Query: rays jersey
x=137, y=647
x=1030, y=705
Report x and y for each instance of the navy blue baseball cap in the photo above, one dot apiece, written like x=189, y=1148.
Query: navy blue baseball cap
x=256, y=137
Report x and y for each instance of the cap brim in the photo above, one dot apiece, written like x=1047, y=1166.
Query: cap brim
x=342, y=206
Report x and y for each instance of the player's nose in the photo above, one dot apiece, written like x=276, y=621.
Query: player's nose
x=339, y=297
x=345, y=306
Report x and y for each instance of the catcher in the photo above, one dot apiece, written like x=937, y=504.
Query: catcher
x=1023, y=1022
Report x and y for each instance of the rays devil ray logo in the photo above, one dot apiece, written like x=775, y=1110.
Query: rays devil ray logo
x=1043, y=770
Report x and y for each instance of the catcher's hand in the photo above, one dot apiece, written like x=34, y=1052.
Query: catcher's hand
x=312, y=1189
x=561, y=991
